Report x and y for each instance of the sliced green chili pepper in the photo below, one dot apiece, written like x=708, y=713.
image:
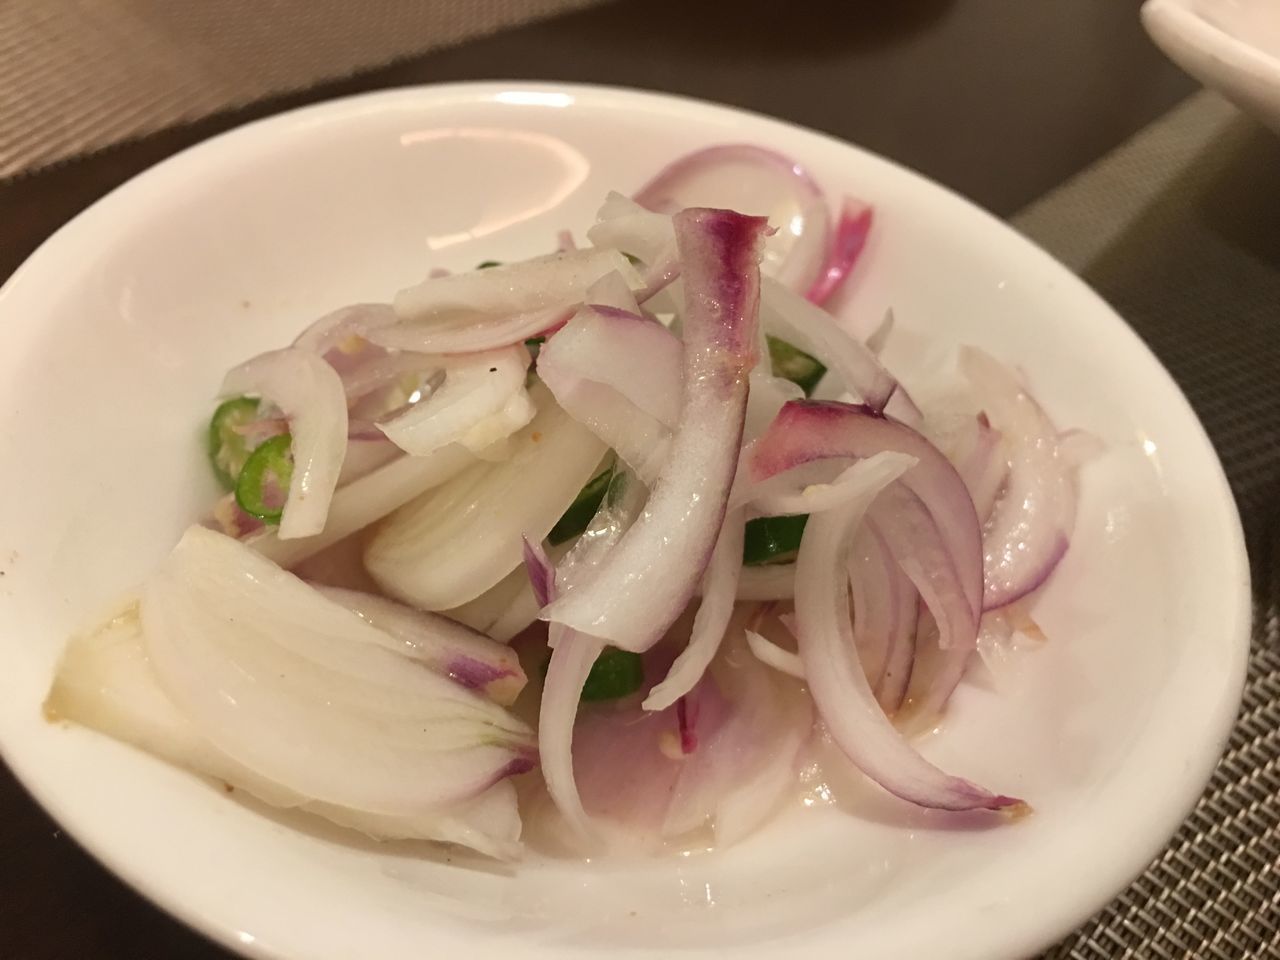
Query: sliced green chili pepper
x=264, y=480
x=794, y=364
x=772, y=539
x=583, y=508
x=228, y=449
x=615, y=674
x=488, y=263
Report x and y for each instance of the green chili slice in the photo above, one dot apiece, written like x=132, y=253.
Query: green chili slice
x=615, y=674
x=772, y=540
x=794, y=364
x=584, y=507
x=264, y=481
x=228, y=449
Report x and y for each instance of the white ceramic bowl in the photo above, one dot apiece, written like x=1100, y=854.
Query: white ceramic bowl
x=116, y=335
x=1230, y=45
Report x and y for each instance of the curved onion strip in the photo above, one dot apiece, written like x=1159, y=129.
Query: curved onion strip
x=385, y=369
x=816, y=497
x=847, y=244
x=934, y=677
x=1030, y=526
x=772, y=655
x=637, y=357
x=982, y=465
x=874, y=605
x=719, y=593
x=751, y=179
x=309, y=393
x=367, y=500
x=474, y=333
x=464, y=656
x=793, y=318
x=839, y=687
x=242, y=647
x=811, y=430
x=334, y=330
x=917, y=545
x=106, y=682
x=571, y=662
x=642, y=586
x=899, y=647
x=541, y=573
x=611, y=290
x=542, y=283
x=482, y=400
x=622, y=224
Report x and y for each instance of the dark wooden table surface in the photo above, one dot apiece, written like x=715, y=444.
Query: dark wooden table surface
x=999, y=99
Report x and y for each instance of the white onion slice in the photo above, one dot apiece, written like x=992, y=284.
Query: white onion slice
x=482, y=400
x=471, y=334
x=643, y=585
x=105, y=682
x=306, y=693
x=719, y=593
x=450, y=649
x=543, y=283
x=309, y=393
x=458, y=540
x=334, y=330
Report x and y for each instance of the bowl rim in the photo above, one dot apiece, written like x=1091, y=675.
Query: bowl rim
x=1187, y=790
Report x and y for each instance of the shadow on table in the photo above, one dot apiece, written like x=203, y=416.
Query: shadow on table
x=1198, y=277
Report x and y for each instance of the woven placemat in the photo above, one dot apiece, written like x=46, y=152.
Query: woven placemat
x=1180, y=230
x=79, y=75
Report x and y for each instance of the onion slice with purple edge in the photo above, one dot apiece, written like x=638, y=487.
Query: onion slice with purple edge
x=451, y=650
x=243, y=647
x=846, y=247
x=1029, y=529
x=839, y=686
x=809, y=430
x=645, y=582
x=752, y=179
x=309, y=393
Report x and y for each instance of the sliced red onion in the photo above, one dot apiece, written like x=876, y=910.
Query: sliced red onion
x=750, y=726
x=543, y=283
x=474, y=333
x=791, y=317
x=878, y=584
x=934, y=677
x=847, y=244
x=365, y=456
x=816, y=497
x=450, y=649
x=482, y=400
x=811, y=430
x=772, y=655
x=243, y=647
x=571, y=662
x=541, y=572
x=751, y=179
x=719, y=593
x=982, y=464
x=367, y=500
x=335, y=330
x=839, y=686
x=1030, y=526
x=310, y=394
x=646, y=581
x=917, y=545
x=637, y=357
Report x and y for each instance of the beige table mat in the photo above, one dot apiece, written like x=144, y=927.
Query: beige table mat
x=79, y=75
x=1180, y=230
